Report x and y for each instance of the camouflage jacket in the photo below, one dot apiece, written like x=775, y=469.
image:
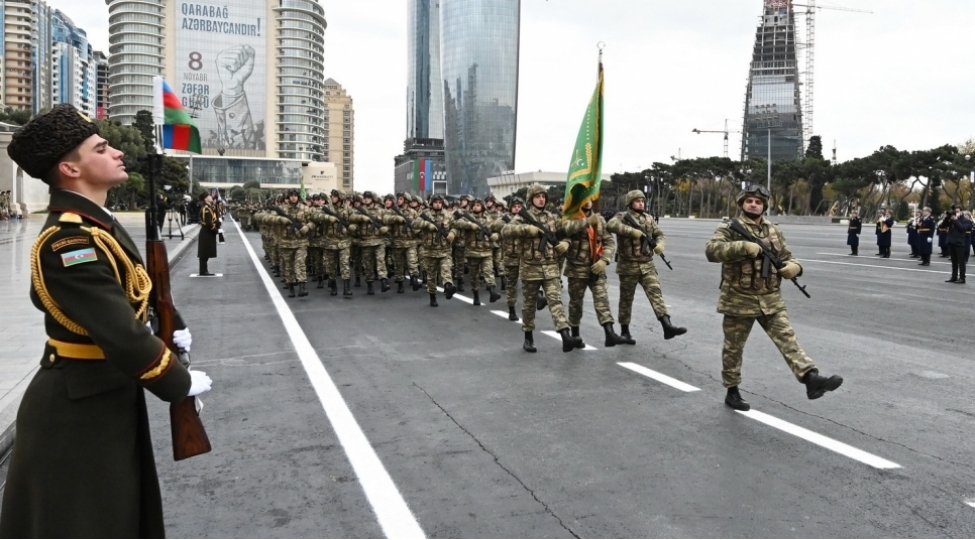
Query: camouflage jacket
x=535, y=263
x=581, y=237
x=292, y=237
x=477, y=241
x=510, y=246
x=400, y=228
x=335, y=235
x=434, y=244
x=631, y=260
x=744, y=292
x=369, y=234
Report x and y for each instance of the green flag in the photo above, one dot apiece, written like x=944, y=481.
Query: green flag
x=585, y=170
x=302, y=192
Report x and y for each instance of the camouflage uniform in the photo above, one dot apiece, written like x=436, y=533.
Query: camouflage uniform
x=371, y=240
x=582, y=234
x=316, y=247
x=404, y=242
x=747, y=297
x=436, y=247
x=294, y=244
x=634, y=267
x=478, y=246
x=510, y=259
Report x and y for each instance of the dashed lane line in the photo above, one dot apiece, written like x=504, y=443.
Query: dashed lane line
x=394, y=516
x=460, y=297
x=659, y=377
x=504, y=315
x=868, y=257
x=821, y=440
x=554, y=334
x=970, y=503
x=875, y=266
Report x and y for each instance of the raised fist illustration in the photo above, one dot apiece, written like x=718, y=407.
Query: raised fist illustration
x=234, y=67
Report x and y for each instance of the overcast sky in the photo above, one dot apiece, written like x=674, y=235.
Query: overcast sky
x=901, y=76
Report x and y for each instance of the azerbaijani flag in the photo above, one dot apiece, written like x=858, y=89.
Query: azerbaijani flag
x=178, y=130
x=585, y=169
x=422, y=174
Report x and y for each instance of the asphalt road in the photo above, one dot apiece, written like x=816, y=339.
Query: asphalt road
x=454, y=431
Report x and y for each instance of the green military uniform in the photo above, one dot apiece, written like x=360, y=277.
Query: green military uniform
x=372, y=240
x=539, y=269
x=510, y=260
x=479, y=242
x=403, y=246
x=316, y=244
x=747, y=297
x=635, y=267
x=293, y=245
x=206, y=241
x=337, y=232
x=82, y=463
x=437, y=240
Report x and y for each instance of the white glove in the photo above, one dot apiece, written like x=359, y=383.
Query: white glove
x=183, y=339
x=220, y=231
x=929, y=240
x=199, y=383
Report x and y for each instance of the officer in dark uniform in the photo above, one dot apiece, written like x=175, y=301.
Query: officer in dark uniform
x=912, y=238
x=206, y=241
x=943, y=235
x=853, y=234
x=884, y=223
x=925, y=236
x=959, y=238
x=82, y=463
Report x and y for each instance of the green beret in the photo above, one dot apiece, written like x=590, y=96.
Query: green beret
x=39, y=146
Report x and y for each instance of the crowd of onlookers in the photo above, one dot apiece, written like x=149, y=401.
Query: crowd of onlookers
x=8, y=210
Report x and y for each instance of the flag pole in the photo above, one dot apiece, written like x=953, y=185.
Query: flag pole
x=600, y=45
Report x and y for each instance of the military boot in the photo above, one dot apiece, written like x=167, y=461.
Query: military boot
x=415, y=282
x=321, y=282
x=346, y=287
x=625, y=337
x=671, y=331
x=276, y=270
x=301, y=290
x=575, y=333
x=399, y=287
x=383, y=284
x=358, y=283
x=541, y=301
x=817, y=385
x=369, y=289
x=286, y=284
x=449, y=290
x=291, y=290
x=460, y=284
x=612, y=339
x=477, y=297
x=426, y=277
x=512, y=316
x=734, y=400
x=433, y=300
x=494, y=295
x=502, y=283
x=529, y=344
x=333, y=288
x=569, y=342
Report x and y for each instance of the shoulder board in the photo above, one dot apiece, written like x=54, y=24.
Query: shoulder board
x=69, y=217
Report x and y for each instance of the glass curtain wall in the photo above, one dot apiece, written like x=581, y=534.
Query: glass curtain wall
x=424, y=92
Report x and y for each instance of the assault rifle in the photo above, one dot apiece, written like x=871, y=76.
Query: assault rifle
x=441, y=232
x=189, y=437
x=482, y=232
x=343, y=223
x=405, y=221
x=647, y=243
x=295, y=224
x=769, y=257
x=548, y=238
x=375, y=221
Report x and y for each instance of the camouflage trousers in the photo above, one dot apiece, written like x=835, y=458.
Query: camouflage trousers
x=316, y=260
x=553, y=292
x=293, y=264
x=374, y=262
x=337, y=263
x=481, y=267
x=460, y=259
x=496, y=260
x=736, y=330
x=511, y=284
x=356, y=257
x=600, y=300
x=651, y=286
x=438, y=265
x=404, y=262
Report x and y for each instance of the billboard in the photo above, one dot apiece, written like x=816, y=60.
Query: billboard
x=221, y=60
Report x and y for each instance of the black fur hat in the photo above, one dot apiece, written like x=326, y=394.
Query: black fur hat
x=39, y=146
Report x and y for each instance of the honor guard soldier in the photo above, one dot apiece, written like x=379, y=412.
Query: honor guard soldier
x=884, y=224
x=478, y=246
x=853, y=234
x=540, y=250
x=959, y=236
x=206, y=241
x=925, y=233
x=912, y=236
x=634, y=231
x=437, y=240
x=747, y=297
x=943, y=228
x=82, y=464
x=510, y=256
x=591, y=249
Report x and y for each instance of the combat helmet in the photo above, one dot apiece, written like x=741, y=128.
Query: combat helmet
x=369, y=195
x=632, y=196
x=338, y=193
x=294, y=192
x=753, y=190
x=477, y=200
x=436, y=197
x=535, y=189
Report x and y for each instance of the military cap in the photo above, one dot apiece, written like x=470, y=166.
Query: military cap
x=203, y=196
x=39, y=146
x=632, y=196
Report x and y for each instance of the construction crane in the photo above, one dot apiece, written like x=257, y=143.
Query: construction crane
x=726, y=132
x=810, y=47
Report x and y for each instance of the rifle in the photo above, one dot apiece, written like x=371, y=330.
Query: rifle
x=647, y=243
x=405, y=221
x=769, y=257
x=343, y=223
x=189, y=437
x=441, y=233
x=547, y=237
x=482, y=232
x=295, y=224
x=375, y=221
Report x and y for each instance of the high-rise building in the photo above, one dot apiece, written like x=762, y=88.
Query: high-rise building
x=41, y=28
x=250, y=71
x=479, y=67
x=773, y=108
x=74, y=72
x=101, y=87
x=340, y=132
x=17, y=54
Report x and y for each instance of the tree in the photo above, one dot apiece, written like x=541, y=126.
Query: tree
x=129, y=141
x=815, y=148
x=147, y=128
x=18, y=117
x=252, y=184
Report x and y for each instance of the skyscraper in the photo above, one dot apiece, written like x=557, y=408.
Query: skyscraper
x=772, y=101
x=340, y=132
x=479, y=63
x=74, y=76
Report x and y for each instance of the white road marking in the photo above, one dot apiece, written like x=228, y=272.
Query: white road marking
x=970, y=503
x=198, y=275
x=821, y=440
x=554, y=334
x=875, y=266
x=659, y=377
x=868, y=257
x=459, y=297
x=395, y=517
x=503, y=314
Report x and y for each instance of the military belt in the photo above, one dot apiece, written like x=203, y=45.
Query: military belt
x=77, y=351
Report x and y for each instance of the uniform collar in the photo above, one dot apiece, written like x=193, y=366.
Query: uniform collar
x=63, y=200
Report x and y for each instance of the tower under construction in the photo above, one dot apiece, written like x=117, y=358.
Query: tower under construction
x=773, y=107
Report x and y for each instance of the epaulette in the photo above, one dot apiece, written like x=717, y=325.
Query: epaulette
x=69, y=217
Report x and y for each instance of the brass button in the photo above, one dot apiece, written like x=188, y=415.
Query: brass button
x=51, y=358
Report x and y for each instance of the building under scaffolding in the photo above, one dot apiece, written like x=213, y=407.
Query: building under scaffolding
x=772, y=102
